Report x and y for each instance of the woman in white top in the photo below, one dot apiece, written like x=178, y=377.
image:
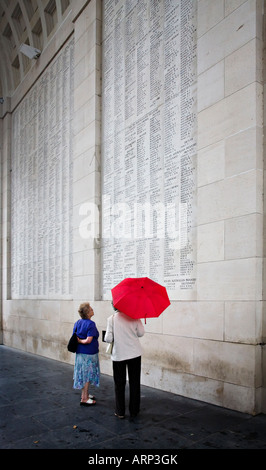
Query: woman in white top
x=126, y=356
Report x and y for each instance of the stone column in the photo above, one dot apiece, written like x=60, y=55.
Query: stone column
x=86, y=171
x=5, y=133
x=230, y=190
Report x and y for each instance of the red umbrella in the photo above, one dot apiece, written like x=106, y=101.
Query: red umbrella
x=140, y=297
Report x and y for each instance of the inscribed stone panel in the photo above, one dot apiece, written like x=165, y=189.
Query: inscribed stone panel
x=149, y=143
x=41, y=185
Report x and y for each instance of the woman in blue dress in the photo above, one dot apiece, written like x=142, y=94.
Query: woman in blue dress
x=87, y=369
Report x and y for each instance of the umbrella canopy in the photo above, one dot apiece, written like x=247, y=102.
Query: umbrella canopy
x=140, y=297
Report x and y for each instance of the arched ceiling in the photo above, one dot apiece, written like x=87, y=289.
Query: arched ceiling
x=31, y=22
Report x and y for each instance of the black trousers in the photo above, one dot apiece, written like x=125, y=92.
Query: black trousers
x=120, y=368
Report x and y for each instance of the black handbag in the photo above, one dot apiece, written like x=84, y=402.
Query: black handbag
x=73, y=343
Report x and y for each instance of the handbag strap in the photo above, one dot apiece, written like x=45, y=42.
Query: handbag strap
x=113, y=327
x=76, y=328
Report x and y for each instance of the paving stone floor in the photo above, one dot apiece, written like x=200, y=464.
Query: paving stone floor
x=40, y=410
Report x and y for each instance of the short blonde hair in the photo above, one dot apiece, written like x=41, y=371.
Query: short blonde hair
x=84, y=310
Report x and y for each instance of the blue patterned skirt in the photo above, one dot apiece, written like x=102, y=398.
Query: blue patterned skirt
x=87, y=369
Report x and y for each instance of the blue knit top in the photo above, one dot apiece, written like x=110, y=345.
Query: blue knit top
x=83, y=329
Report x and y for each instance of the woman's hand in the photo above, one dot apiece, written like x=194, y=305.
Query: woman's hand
x=88, y=340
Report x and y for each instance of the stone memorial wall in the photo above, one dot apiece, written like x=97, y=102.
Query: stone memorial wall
x=158, y=105
x=41, y=185
x=149, y=143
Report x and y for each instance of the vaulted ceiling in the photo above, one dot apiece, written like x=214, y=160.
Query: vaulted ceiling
x=31, y=22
